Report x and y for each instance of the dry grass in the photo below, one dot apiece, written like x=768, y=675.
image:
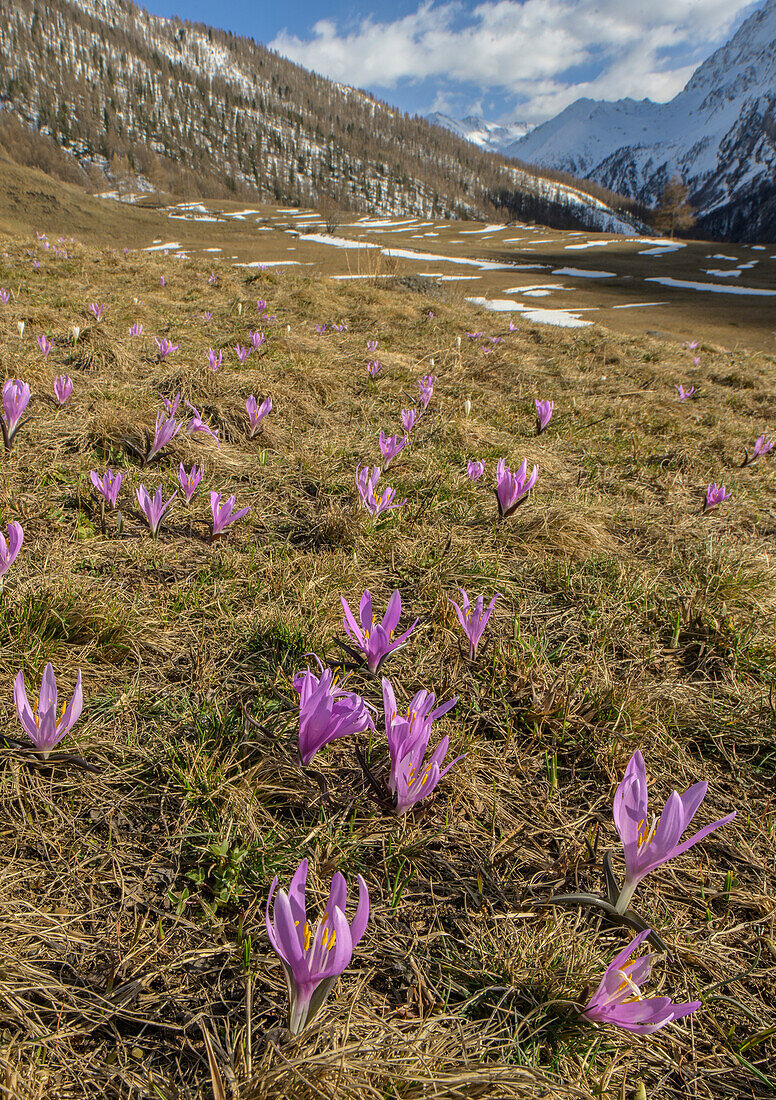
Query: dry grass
x=133, y=961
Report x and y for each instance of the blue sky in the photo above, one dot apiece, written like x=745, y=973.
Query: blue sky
x=505, y=59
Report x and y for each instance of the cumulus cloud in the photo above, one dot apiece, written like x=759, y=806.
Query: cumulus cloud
x=541, y=54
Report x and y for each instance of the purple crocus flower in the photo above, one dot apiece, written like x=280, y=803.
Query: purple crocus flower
x=63, y=387
x=374, y=368
x=257, y=339
x=512, y=489
x=16, y=397
x=762, y=447
x=409, y=418
x=619, y=1001
x=153, y=507
x=648, y=844
x=197, y=424
x=475, y=470
x=427, y=389
x=544, y=411
x=163, y=281
x=9, y=550
x=696, y=361
x=214, y=360
x=391, y=445
x=313, y=956
x=375, y=640
x=326, y=712
x=213, y=278
x=261, y=305
x=136, y=329
x=45, y=346
x=166, y=430
x=207, y=316
x=189, y=481
x=166, y=347
x=256, y=413
x=107, y=486
x=97, y=310
x=715, y=495
x=408, y=736
x=691, y=344
x=242, y=353
x=371, y=347
x=320, y=329
x=171, y=403
x=41, y=724
x=5, y=297
x=473, y=619
x=223, y=515
x=366, y=483
x=683, y=393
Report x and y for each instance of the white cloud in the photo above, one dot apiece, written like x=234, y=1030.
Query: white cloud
x=541, y=53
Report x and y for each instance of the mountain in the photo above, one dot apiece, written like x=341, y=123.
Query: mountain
x=718, y=134
x=155, y=104
x=487, y=135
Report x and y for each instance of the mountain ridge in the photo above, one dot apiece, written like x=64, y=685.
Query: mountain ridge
x=718, y=134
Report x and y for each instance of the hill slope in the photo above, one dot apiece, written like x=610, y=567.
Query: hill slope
x=187, y=108
x=718, y=134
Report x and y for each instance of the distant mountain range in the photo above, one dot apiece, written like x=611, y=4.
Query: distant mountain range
x=492, y=136
x=157, y=105
x=718, y=134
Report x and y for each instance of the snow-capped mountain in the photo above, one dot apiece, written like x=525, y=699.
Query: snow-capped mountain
x=177, y=107
x=487, y=135
x=718, y=134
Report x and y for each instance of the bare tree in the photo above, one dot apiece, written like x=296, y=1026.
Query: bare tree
x=674, y=211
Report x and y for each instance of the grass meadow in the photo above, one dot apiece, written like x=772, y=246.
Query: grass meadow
x=134, y=960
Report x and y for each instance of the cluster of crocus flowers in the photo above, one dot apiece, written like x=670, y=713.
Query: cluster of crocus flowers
x=391, y=445
x=256, y=413
x=512, y=489
x=375, y=504
x=43, y=725
x=618, y=999
x=762, y=446
x=685, y=395
x=412, y=777
x=473, y=618
x=544, y=410
x=107, y=486
x=166, y=347
x=326, y=712
x=16, y=398
x=375, y=640
x=10, y=549
x=153, y=507
x=223, y=514
x=63, y=387
x=646, y=843
x=715, y=495
x=313, y=956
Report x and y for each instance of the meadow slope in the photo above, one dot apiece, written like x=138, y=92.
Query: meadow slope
x=132, y=909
